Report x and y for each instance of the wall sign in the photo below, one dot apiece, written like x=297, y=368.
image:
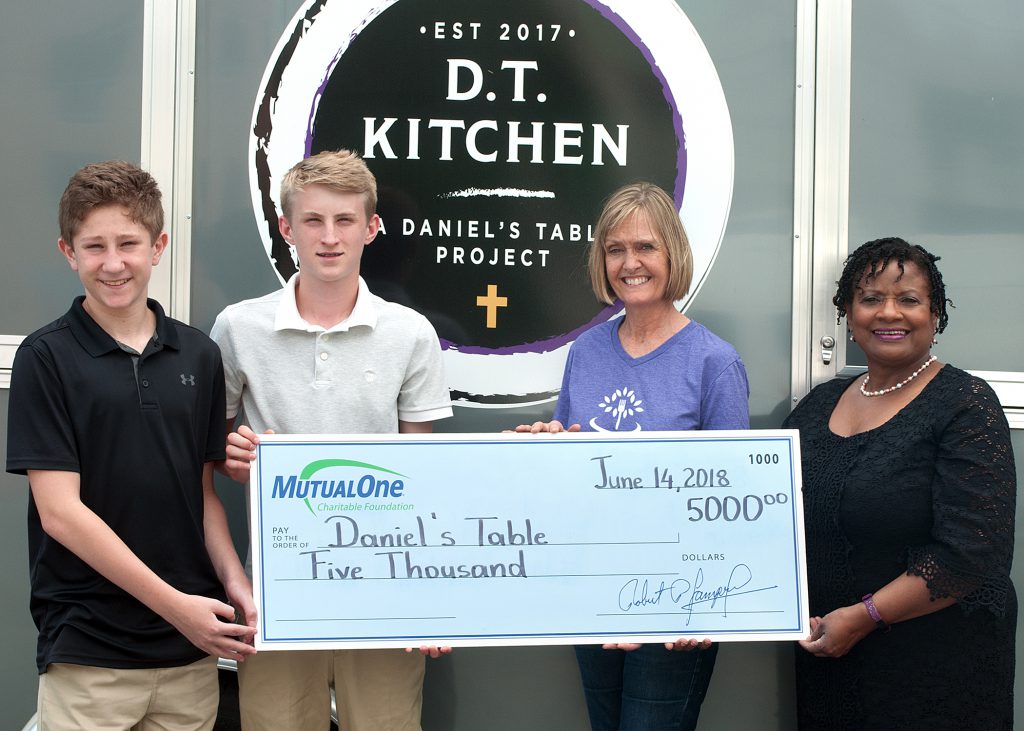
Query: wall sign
x=496, y=131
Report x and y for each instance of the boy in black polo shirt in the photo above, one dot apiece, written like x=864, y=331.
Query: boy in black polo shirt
x=116, y=416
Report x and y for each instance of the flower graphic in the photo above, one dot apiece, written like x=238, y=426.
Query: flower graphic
x=621, y=403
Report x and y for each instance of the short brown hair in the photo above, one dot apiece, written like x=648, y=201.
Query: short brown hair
x=663, y=219
x=113, y=182
x=340, y=170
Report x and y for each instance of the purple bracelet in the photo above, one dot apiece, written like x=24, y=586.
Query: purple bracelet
x=873, y=611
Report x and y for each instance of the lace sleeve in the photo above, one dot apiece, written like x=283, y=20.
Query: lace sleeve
x=974, y=495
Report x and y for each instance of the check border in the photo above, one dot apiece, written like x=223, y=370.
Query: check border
x=376, y=626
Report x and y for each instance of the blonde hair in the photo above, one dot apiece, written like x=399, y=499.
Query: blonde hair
x=340, y=170
x=110, y=183
x=663, y=218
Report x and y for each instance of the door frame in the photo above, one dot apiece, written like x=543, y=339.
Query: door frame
x=821, y=205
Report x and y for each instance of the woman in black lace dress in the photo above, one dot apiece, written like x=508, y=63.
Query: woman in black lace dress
x=909, y=492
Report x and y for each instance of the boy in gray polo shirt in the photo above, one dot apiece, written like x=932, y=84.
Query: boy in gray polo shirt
x=325, y=355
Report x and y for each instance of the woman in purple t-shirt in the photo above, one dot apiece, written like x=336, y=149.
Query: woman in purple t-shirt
x=653, y=370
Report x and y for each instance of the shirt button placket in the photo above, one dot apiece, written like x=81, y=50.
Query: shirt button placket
x=321, y=358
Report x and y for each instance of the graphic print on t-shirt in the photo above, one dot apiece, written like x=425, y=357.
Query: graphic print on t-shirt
x=618, y=411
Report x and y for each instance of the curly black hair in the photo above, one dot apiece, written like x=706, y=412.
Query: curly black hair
x=871, y=258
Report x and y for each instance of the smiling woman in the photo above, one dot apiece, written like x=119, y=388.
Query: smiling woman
x=894, y=311
x=909, y=494
x=655, y=370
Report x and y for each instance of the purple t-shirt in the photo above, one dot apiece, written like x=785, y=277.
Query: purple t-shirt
x=694, y=380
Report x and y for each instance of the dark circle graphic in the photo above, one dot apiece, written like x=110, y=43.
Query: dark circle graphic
x=440, y=251
x=429, y=253
x=496, y=132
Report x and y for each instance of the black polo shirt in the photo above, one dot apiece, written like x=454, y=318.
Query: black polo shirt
x=139, y=443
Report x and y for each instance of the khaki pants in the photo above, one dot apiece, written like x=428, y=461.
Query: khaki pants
x=84, y=697
x=376, y=690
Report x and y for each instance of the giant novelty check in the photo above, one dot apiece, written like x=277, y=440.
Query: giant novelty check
x=512, y=539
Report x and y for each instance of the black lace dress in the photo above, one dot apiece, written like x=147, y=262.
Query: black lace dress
x=930, y=493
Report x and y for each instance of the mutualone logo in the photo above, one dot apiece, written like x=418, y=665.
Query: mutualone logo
x=362, y=481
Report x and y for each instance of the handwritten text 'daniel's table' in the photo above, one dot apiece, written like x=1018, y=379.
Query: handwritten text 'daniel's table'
x=408, y=540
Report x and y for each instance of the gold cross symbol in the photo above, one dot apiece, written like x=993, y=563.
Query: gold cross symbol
x=492, y=302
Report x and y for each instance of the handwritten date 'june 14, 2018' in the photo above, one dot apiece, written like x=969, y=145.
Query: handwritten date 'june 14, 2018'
x=663, y=479
x=708, y=508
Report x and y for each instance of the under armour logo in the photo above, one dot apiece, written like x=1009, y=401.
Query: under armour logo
x=188, y=380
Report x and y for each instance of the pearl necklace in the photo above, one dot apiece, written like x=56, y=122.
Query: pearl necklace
x=864, y=384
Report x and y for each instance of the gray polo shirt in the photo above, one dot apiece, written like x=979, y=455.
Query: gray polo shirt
x=380, y=365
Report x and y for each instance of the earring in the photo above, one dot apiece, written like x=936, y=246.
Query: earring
x=852, y=340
